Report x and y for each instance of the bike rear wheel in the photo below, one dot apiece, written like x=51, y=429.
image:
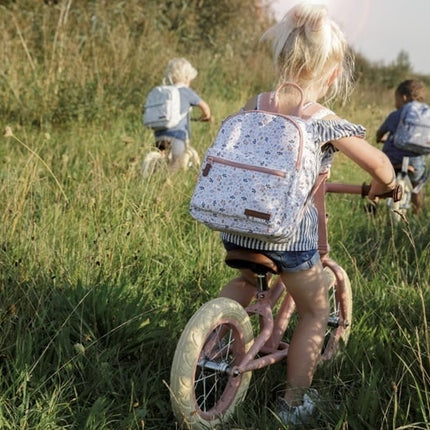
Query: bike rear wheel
x=400, y=208
x=340, y=317
x=204, y=392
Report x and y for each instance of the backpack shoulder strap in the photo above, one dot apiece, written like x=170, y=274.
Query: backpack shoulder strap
x=266, y=102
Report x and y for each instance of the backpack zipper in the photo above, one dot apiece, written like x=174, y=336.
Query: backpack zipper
x=210, y=160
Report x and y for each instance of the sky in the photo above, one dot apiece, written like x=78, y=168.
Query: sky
x=380, y=29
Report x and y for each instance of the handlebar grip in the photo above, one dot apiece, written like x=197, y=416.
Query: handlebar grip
x=395, y=194
x=200, y=119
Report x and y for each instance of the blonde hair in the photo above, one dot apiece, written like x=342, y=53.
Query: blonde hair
x=309, y=48
x=179, y=70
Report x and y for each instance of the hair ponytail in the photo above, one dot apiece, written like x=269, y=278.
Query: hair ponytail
x=308, y=47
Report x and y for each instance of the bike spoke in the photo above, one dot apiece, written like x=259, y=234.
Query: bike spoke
x=213, y=376
x=202, y=400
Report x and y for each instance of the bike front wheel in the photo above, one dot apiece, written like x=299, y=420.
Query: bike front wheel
x=204, y=391
x=153, y=162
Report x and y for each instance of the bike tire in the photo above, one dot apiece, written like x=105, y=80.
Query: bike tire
x=220, y=332
x=153, y=162
x=191, y=159
x=340, y=317
x=400, y=208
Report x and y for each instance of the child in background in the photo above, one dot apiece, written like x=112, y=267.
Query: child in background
x=309, y=50
x=406, y=92
x=180, y=72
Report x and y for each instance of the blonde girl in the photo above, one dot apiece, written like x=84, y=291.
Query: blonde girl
x=310, y=51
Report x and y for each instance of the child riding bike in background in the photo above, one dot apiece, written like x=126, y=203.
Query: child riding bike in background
x=174, y=141
x=310, y=51
x=406, y=92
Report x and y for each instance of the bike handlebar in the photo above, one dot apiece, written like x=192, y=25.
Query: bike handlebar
x=200, y=119
x=363, y=190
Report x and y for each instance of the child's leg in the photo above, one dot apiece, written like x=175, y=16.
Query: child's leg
x=311, y=297
x=417, y=177
x=178, y=153
x=417, y=202
x=241, y=289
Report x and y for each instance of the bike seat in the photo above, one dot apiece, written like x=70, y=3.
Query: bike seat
x=248, y=259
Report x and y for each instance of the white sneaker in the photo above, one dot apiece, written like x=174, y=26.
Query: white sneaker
x=298, y=414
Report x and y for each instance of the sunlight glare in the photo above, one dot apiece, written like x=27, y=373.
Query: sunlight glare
x=351, y=15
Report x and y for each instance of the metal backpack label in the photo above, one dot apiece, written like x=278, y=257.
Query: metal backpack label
x=257, y=176
x=413, y=131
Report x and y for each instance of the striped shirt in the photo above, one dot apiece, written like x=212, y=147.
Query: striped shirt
x=306, y=236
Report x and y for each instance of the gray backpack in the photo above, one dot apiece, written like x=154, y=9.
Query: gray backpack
x=413, y=131
x=162, y=109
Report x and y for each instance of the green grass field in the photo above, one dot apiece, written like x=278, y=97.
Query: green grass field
x=100, y=268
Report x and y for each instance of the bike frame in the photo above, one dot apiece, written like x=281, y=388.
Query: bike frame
x=218, y=349
x=269, y=340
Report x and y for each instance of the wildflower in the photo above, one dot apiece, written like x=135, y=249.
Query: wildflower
x=8, y=132
x=79, y=348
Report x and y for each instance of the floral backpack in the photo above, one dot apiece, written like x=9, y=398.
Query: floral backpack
x=258, y=175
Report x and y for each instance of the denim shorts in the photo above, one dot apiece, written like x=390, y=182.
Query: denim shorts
x=287, y=261
x=419, y=165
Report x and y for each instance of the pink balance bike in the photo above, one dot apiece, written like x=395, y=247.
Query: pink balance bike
x=218, y=350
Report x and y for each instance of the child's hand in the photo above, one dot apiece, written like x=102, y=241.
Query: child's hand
x=206, y=119
x=378, y=189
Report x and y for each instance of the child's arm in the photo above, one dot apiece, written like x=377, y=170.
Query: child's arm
x=206, y=112
x=381, y=136
x=370, y=159
x=386, y=127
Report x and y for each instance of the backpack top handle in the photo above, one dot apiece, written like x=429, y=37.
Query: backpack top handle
x=269, y=101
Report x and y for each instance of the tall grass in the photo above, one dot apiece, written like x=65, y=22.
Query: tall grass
x=98, y=278
x=100, y=269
